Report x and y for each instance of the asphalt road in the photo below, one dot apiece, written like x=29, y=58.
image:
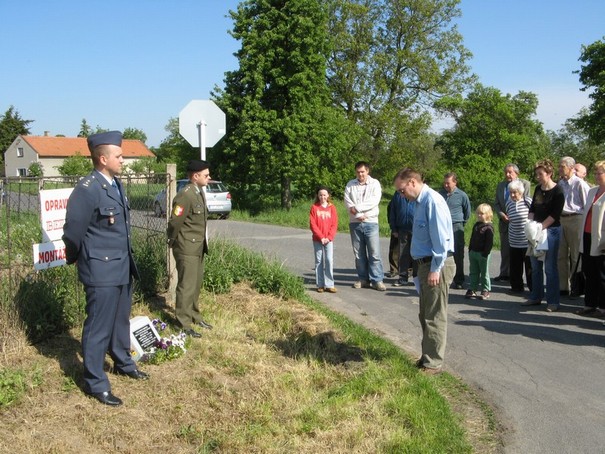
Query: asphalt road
x=541, y=372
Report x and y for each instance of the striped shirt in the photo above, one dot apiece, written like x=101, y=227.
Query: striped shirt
x=517, y=216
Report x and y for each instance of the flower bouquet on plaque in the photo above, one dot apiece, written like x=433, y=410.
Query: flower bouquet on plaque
x=168, y=347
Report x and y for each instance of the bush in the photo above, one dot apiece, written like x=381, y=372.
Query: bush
x=50, y=302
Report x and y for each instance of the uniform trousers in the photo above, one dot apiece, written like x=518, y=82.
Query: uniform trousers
x=106, y=329
x=433, y=312
x=190, y=269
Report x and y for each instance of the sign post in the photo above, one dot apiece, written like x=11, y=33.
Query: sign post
x=202, y=124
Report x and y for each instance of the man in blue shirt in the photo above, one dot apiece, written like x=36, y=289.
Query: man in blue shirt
x=401, y=218
x=460, y=210
x=432, y=248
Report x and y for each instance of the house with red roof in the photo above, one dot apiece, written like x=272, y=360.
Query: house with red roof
x=50, y=152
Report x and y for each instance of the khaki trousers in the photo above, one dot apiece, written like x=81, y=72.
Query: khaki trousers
x=190, y=269
x=433, y=312
x=569, y=248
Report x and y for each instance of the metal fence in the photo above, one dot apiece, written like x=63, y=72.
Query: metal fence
x=20, y=228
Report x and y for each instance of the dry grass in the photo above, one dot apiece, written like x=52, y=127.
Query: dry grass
x=267, y=379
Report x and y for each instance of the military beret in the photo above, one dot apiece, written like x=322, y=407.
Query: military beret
x=196, y=165
x=105, y=138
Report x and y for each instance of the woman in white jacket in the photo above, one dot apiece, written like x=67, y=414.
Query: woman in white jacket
x=593, y=247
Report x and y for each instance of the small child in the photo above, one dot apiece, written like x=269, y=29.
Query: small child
x=479, y=249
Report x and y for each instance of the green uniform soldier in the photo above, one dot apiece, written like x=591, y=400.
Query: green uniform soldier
x=187, y=238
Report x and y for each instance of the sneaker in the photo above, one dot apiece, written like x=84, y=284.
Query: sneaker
x=400, y=282
x=361, y=284
x=531, y=303
x=552, y=308
x=331, y=289
x=484, y=295
x=470, y=294
x=378, y=286
x=320, y=290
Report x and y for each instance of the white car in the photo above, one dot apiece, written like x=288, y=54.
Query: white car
x=218, y=199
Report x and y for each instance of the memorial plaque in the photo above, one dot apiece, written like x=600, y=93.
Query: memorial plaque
x=142, y=336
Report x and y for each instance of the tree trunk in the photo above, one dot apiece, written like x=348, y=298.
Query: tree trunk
x=286, y=194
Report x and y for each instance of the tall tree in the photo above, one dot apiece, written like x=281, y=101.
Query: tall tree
x=491, y=130
x=135, y=134
x=11, y=125
x=175, y=149
x=85, y=129
x=592, y=76
x=573, y=141
x=390, y=60
x=283, y=133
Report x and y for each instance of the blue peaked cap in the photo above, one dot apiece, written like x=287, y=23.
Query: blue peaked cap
x=105, y=138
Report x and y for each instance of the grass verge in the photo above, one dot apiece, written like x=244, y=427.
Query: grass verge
x=277, y=374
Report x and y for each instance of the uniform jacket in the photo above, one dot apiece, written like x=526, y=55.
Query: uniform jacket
x=96, y=233
x=500, y=202
x=187, y=225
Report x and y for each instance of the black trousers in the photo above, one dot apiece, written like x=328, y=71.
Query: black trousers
x=517, y=261
x=593, y=268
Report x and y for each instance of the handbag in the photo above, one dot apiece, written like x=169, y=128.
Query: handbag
x=577, y=279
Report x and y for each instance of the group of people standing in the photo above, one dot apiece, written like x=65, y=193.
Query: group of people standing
x=427, y=240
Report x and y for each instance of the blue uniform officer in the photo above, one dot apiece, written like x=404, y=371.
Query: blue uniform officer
x=97, y=239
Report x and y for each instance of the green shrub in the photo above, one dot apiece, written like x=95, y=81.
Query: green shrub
x=150, y=256
x=50, y=302
x=228, y=263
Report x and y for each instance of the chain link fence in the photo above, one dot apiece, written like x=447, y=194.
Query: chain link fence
x=52, y=300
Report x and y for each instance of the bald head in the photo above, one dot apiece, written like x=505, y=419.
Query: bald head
x=580, y=170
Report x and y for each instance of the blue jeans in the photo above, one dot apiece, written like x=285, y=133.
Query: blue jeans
x=324, y=255
x=549, y=265
x=366, y=248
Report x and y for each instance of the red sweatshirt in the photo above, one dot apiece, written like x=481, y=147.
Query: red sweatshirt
x=323, y=221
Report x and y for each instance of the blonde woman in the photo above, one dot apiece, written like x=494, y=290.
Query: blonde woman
x=593, y=247
x=479, y=250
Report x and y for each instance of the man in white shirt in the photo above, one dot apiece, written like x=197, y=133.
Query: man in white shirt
x=575, y=190
x=362, y=198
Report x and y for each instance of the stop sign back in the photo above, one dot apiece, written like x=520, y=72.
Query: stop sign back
x=202, y=113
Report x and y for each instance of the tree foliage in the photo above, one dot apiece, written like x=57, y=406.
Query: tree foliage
x=284, y=136
x=573, y=141
x=390, y=60
x=592, y=76
x=11, y=126
x=134, y=134
x=491, y=130
x=175, y=149
x=76, y=165
x=85, y=129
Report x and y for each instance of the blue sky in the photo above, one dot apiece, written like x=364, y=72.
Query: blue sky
x=137, y=63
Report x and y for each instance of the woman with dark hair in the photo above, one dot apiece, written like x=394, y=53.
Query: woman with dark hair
x=323, y=220
x=546, y=207
x=593, y=247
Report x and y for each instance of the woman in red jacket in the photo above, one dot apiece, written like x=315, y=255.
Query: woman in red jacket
x=323, y=220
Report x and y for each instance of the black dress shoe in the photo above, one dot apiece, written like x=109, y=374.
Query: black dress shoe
x=107, y=398
x=135, y=374
x=191, y=333
x=204, y=325
x=564, y=293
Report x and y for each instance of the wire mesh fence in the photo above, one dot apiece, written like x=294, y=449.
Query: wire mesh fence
x=53, y=299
